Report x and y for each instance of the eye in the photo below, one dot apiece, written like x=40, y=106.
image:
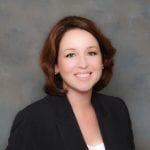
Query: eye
x=92, y=53
x=70, y=55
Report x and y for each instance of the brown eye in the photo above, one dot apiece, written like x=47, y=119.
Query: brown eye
x=92, y=53
x=70, y=55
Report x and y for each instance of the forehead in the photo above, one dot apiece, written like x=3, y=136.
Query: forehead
x=78, y=37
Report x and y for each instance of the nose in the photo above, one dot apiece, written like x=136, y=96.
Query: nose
x=83, y=63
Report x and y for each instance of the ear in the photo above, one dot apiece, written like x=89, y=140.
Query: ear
x=56, y=69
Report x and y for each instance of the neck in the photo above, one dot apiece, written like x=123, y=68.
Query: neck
x=79, y=101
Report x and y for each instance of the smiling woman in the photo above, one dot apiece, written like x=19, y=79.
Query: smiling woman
x=77, y=60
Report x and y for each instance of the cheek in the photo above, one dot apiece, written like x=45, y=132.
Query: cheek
x=97, y=64
x=66, y=67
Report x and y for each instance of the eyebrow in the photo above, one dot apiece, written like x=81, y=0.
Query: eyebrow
x=69, y=49
x=92, y=47
x=87, y=48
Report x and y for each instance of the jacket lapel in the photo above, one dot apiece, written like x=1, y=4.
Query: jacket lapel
x=68, y=126
x=105, y=122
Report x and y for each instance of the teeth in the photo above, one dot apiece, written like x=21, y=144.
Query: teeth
x=83, y=75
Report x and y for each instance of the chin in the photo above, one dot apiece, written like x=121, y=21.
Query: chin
x=84, y=90
x=81, y=88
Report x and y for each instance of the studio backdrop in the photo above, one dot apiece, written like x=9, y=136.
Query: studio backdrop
x=24, y=25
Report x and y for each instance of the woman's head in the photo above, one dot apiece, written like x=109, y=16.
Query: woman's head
x=50, y=51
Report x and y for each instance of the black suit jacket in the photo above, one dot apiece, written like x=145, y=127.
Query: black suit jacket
x=50, y=124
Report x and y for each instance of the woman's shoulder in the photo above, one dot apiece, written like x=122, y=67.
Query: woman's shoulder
x=110, y=102
x=41, y=108
x=107, y=98
x=36, y=116
x=39, y=104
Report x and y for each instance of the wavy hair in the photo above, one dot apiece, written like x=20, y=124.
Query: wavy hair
x=49, y=53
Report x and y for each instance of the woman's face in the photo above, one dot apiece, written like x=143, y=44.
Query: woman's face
x=79, y=60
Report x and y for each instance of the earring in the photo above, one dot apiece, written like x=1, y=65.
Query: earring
x=56, y=70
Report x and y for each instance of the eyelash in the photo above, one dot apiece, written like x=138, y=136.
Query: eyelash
x=70, y=55
x=89, y=53
x=92, y=53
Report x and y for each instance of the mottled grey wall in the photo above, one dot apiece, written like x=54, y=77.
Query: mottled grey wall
x=24, y=25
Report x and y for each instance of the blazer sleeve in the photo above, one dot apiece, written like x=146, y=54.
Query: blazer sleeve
x=21, y=134
x=127, y=121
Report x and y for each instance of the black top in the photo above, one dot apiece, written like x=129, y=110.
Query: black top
x=50, y=124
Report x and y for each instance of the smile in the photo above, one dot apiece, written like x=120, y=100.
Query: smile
x=83, y=75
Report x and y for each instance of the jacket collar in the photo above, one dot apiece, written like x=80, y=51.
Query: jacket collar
x=69, y=128
x=106, y=123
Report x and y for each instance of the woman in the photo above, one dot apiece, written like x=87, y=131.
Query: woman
x=77, y=60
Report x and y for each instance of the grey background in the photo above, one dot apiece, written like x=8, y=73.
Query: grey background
x=24, y=25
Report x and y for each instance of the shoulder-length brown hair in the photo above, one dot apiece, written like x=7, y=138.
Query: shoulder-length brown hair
x=49, y=53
